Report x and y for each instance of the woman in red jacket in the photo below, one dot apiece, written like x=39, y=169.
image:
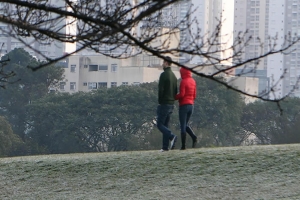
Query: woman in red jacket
x=186, y=97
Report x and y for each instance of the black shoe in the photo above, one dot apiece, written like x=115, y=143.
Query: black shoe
x=194, y=143
x=173, y=142
x=182, y=148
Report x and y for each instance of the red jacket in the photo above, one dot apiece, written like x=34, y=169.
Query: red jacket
x=187, y=93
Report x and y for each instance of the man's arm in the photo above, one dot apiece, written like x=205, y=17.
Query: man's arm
x=160, y=87
x=181, y=91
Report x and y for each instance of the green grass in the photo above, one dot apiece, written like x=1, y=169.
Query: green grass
x=255, y=172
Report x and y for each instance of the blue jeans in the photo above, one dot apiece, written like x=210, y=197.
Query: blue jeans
x=164, y=112
x=185, y=113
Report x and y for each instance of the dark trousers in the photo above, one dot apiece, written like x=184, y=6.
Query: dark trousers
x=185, y=113
x=164, y=112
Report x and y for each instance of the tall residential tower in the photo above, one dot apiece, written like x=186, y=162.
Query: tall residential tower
x=51, y=49
x=265, y=19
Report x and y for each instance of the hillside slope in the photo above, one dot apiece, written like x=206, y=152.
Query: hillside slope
x=255, y=172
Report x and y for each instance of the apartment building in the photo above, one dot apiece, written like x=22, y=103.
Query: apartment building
x=291, y=61
x=266, y=19
x=8, y=41
x=207, y=17
x=253, y=16
x=89, y=72
x=261, y=18
x=183, y=9
x=173, y=16
x=234, y=17
x=198, y=25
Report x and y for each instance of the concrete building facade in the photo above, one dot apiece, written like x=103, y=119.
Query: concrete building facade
x=251, y=20
x=8, y=41
x=86, y=73
x=272, y=19
x=291, y=61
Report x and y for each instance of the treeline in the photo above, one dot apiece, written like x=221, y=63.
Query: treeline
x=123, y=118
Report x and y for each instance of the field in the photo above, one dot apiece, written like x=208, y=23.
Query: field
x=254, y=172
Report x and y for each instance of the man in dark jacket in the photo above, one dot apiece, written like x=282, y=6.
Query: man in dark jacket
x=167, y=89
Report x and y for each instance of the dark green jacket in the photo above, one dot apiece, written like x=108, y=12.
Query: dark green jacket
x=167, y=87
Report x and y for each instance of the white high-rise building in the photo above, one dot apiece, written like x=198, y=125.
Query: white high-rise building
x=198, y=24
x=173, y=16
x=253, y=16
x=275, y=63
x=183, y=9
x=291, y=61
x=266, y=19
x=49, y=48
x=207, y=17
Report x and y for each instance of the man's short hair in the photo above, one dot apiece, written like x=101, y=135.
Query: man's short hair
x=168, y=59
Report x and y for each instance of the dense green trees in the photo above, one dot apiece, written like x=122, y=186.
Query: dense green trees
x=27, y=87
x=10, y=144
x=103, y=120
x=123, y=118
x=269, y=125
x=217, y=114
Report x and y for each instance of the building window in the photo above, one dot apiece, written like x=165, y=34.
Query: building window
x=113, y=84
x=72, y=85
x=102, y=84
x=135, y=83
x=92, y=85
x=84, y=83
x=103, y=67
x=124, y=83
x=73, y=68
x=114, y=67
x=62, y=85
x=60, y=64
x=93, y=68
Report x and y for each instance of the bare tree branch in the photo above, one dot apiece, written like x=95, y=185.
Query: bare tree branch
x=127, y=28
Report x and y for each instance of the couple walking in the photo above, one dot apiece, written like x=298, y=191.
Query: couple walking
x=167, y=94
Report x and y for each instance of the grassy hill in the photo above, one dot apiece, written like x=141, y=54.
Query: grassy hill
x=255, y=172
